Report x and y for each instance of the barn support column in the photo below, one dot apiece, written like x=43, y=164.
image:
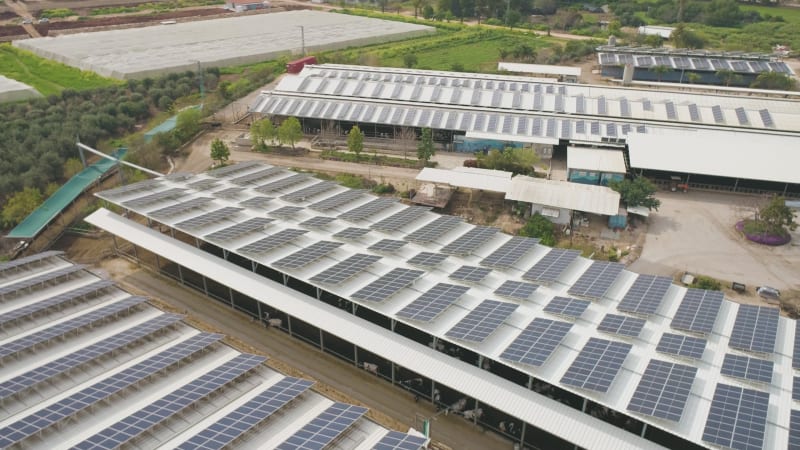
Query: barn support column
x=253, y=265
x=644, y=429
x=180, y=274
x=736, y=185
x=319, y=294
x=321, y=342
x=522, y=433
x=285, y=279
x=289, y=322
x=224, y=254
x=230, y=293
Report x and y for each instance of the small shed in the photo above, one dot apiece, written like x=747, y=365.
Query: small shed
x=595, y=165
x=557, y=199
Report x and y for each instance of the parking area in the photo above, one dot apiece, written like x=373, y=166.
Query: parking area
x=694, y=232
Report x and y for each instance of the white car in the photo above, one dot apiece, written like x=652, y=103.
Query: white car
x=44, y=20
x=27, y=21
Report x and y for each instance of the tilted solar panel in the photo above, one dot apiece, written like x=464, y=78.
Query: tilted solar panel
x=597, y=365
x=388, y=284
x=537, y=342
x=663, y=390
x=482, y=321
x=737, y=418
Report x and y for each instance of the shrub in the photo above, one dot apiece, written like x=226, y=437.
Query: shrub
x=540, y=227
x=384, y=188
x=704, y=282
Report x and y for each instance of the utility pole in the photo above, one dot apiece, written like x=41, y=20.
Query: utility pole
x=202, y=84
x=302, y=41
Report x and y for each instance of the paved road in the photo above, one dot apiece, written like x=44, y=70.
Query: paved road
x=453, y=431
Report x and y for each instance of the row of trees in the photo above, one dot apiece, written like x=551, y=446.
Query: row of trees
x=264, y=131
x=718, y=13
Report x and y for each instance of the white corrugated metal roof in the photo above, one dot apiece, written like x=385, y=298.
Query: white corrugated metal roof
x=548, y=414
x=563, y=194
x=601, y=160
x=539, y=69
x=483, y=179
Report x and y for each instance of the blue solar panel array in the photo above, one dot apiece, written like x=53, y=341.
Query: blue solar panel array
x=755, y=329
x=69, y=362
x=12, y=289
x=20, y=263
x=395, y=440
x=325, y=428
x=58, y=330
x=537, y=342
x=53, y=302
x=550, y=267
x=596, y=280
x=663, y=390
x=645, y=296
x=738, y=418
x=67, y=407
x=162, y=409
x=597, y=365
x=796, y=348
x=246, y=417
x=746, y=368
x=482, y=321
x=430, y=304
x=698, y=311
x=794, y=430
x=678, y=345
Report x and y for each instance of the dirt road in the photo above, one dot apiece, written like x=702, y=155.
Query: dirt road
x=22, y=11
x=377, y=394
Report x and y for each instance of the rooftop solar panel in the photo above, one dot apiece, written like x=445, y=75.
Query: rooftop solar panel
x=345, y=269
x=203, y=220
x=325, y=428
x=26, y=260
x=550, y=267
x=427, y=259
x=173, y=403
x=286, y=212
x=272, y=242
x=737, y=418
x=307, y=255
x=401, y=219
x=395, y=440
x=518, y=290
x=567, y=307
x=318, y=222
x=672, y=113
x=98, y=392
x=716, y=111
x=429, y=305
x=537, y=342
x=482, y=321
x=147, y=200
x=257, y=177
x=755, y=329
x=594, y=283
x=509, y=253
x=373, y=207
x=226, y=430
x=679, y=345
x=283, y=183
x=597, y=365
x=239, y=230
x=387, y=246
x=794, y=430
x=698, y=311
x=65, y=364
x=181, y=208
x=144, y=185
x=40, y=279
x=351, y=233
x=336, y=201
x=258, y=202
x=621, y=325
x=694, y=113
x=741, y=115
x=471, y=240
x=236, y=168
x=766, y=118
x=645, y=296
x=796, y=347
x=388, y=285
x=54, y=302
x=304, y=194
x=663, y=390
x=434, y=230
x=470, y=274
x=746, y=368
x=701, y=64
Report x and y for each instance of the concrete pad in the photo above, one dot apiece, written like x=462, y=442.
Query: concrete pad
x=13, y=90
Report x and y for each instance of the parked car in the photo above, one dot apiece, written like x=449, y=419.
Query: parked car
x=768, y=293
x=44, y=20
x=27, y=21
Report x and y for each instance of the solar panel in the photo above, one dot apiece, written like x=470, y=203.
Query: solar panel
x=796, y=348
x=567, y=307
x=794, y=430
x=173, y=403
x=597, y=365
x=345, y=269
x=645, y=296
x=740, y=66
x=100, y=391
x=602, y=105
x=698, y=311
x=796, y=388
x=663, y=390
x=672, y=113
x=351, y=233
x=239, y=230
x=395, y=440
x=537, y=127
x=208, y=218
x=755, y=329
x=256, y=177
x=737, y=418
x=336, y=201
x=24, y=261
x=594, y=128
x=432, y=231
x=624, y=107
x=304, y=194
x=272, y=242
x=40, y=279
x=325, y=428
x=716, y=111
x=746, y=368
x=318, y=222
x=286, y=212
x=509, y=253
x=387, y=246
x=647, y=105
x=147, y=200
x=594, y=283
x=550, y=267
x=427, y=259
x=701, y=64
x=235, y=424
x=373, y=207
x=429, y=305
x=54, y=302
x=694, y=113
x=258, y=202
x=388, y=284
x=180, y=208
x=283, y=183
x=482, y=321
x=402, y=218
x=202, y=185
x=621, y=325
x=719, y=64
x=679, y=345
x=144, y=185
x=307, y=255
x=766, y=118
x=518, y=290
x=551, y=128
x=537, y=342
x=470, y=274
x=236, y=168
x=471, y=240
x=65, y=364
x=741, y=115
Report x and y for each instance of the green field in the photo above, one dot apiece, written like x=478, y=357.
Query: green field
x=47, y=77
x=790, y=15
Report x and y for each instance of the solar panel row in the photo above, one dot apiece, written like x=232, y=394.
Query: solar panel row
x=324, y=428
x=737, y=418
x=429, y=305
x=663, y=390
x=481, y=321
x=387, y=285
x=597, y=365
x=56, y=301
x=537, y=342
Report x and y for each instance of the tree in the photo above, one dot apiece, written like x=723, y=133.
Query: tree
x=410, y=60
x=72, y=167
x=659, y=70
x=418, y=4
x=382, y=4
x=777, y=217
x=693, y=77
x=290, y=131
x=328, y=133
x=425, y=150
x=355, y=141
x=773, y=80
x=219, y=151
x=406, y=137
x=510, y=159
x=261, y=131
x=683, y=37
x=545, y=7
x=637, y=192
x=187, y=124
x=728, y=76
x=539, y=227
x=20, y=205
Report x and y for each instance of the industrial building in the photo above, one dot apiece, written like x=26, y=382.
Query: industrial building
x=700, y=138
x=87, y=365
x=549, y=348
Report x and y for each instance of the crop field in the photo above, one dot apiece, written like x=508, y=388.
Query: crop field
x=790, y=15
x=47, y=77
